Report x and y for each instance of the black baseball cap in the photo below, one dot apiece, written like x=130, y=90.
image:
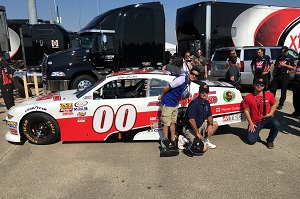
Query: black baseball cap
x=284, y=49
x=203, y=87
x=259, y=80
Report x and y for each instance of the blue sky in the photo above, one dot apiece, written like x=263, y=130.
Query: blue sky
x=76, y=14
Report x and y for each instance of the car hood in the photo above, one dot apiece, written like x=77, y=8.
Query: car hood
x=68, y=95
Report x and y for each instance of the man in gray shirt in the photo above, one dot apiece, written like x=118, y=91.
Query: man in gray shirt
x=201, y=62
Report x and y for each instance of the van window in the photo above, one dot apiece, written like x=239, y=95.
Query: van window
x=222, y=55
x=275, y=53
x=250, y=54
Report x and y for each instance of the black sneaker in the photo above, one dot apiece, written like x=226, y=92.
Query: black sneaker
x=279, y=107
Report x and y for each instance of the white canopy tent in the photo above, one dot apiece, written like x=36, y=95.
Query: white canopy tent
x=170, y=47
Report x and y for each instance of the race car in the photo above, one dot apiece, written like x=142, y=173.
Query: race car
x=121, y=105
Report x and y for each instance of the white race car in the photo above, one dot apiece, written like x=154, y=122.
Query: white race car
x=121, y=105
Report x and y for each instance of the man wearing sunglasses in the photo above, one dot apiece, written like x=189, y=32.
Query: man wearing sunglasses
x=169, y=100
x=201, y=62
x=199, y=124
x=259, y=108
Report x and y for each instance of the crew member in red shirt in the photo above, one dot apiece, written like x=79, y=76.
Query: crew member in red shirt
x=6, y=83
x=259, y=108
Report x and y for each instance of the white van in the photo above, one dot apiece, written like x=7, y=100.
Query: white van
x=246, y=54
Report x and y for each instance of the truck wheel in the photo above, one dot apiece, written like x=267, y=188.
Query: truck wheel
x=19, y=85
x=40, y=128
x=82, y=81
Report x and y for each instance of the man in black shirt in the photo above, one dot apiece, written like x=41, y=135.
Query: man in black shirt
x=283, y=66
x=261, y=65
x=6, y=83
x=296, y=91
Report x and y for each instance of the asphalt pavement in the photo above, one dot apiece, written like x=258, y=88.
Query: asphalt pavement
x=134, y=169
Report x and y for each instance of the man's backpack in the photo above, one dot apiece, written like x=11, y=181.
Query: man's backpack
x=197, y=147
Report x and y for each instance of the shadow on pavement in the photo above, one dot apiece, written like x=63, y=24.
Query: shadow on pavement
x=226, y=129
x=288, y=123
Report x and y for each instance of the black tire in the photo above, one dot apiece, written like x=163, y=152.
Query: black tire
x=19, y=85
x=40, y=128
x=180, y=120
x=82, y=81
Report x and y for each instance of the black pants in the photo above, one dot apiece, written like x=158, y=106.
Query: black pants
x=8, y=96
x=296, y=97
x=282, y=80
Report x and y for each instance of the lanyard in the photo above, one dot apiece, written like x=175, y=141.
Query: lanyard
x=259, y=104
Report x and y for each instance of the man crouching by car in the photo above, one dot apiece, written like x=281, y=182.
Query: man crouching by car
x=199, y=124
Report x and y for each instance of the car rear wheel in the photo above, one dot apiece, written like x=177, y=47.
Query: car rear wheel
x=180, y=120
x=40, y=128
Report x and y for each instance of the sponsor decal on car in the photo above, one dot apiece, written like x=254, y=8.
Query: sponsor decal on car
x=155, y=124
x=11, y=124
x=55, y=96
x=81, y=120
x=81, y=113
x=66, y=107
x=68, y=113
x=35, y=108
x=228, y=96
x=231, y=118
x=80, y=108
x=81, y=104
x=226, y=108
x=212, y=99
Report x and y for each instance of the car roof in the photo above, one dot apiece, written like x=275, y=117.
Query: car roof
x=140, y=71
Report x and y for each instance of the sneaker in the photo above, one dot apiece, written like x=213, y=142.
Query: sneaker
x=270, y=145
x=209, y=144
x=182, y=142
x=279, y=107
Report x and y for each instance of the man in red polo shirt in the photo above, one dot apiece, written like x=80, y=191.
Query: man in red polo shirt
x=259, y=108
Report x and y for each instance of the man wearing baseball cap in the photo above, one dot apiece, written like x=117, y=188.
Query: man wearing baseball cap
x=259, y=108
x=283, y=66
x=199, y=124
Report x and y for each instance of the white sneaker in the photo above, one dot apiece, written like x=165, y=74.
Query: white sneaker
x=182, y=141
x=209, y=144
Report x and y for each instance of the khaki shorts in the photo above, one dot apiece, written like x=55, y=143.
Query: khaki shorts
x=190, y=134
x=169, y=115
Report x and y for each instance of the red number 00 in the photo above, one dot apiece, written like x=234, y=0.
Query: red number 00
x=124, y=118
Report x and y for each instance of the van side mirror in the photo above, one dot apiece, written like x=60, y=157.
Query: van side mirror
x=104, y=42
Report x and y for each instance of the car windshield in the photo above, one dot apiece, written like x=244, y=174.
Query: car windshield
x=86, y=41
x=88, y=89
x=222, y=55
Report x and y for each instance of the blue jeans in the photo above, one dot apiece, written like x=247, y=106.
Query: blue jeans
x=269, y=123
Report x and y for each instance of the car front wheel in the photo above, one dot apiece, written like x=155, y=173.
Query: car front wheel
x=40, y=128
